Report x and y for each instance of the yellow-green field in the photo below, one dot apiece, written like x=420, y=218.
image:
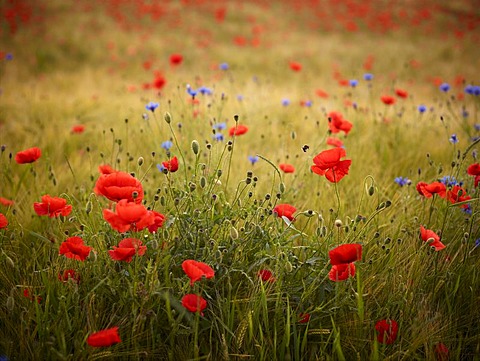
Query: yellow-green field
x=285, y=70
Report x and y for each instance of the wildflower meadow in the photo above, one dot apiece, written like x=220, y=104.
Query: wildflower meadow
x=239, y=180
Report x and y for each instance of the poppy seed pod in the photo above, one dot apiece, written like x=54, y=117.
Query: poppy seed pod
x=167, y=117
x=195, y=147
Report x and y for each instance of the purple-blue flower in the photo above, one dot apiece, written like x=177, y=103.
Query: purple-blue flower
x=353, y=83
x=205, y=91
x=285, y=102
x=368, y=76
x=453, y=139
x=223, y=66
x=422, y=108
x=450, y=181
x=444, y=87
x=220, y=126
x=218, y=137
x=152, y=106
x=191, y=91
x=253, y=159
x=167, y=144
x=402, y=181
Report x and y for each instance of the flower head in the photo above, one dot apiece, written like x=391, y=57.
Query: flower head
x=387, y=331
x=341, y=272
x=265, y=275
x=237, y=130
x=453, y=139
x=104, y=338
x=52, y=207
x=176, y=59
x=3, y=221
x=402, y=181
x=285, y=210
x=151, y=106
x=286, y=168
x=432, y=238
x=345, y=253
x=387, y=99
x=129, y=215
x=295, y=66
x=428, y=190
x=444, y=87
x=28, y=155
x=171, y=165
x=253, y=159
x=337, y=123
x=194, y=303
x=196, y=270
x=126, y=249
x=73, y=247
x=328, y=163
x=119, y=185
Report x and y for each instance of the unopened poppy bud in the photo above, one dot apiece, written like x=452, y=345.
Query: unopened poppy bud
x=248, y=180
x=282, y=187
x=165, y=234
x=338, y=223
x=288, y=267
x=192, y=186
x=233, y=233
x=10, y=303
x=294, y=135
x=388, y=204
x=235, y=117
x=134, y=194
x=371, y=190
x=167, y=117
x=162, y=201
x=219, y=173
x=154, y=244
x=195, y=147
x=10, y=261
x=88, y=207
x=229, y=148
x=203, y=182
x=140, y=161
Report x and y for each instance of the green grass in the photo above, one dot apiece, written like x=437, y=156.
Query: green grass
x=76, y=67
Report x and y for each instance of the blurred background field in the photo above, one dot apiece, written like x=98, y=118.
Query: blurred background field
x=282, y=67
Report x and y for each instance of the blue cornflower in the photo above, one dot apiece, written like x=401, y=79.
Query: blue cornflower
x=239, y=97
x=160, y=168
x=465, y=113
x=453, y=139
x=223, y=66
x=218, y=137
x=477, y=127
x=450, y=181
x=444, y=87
x=167, y=144
x=220, y=126
x=308, y=103
x=469, y=89
x=253, y=159
x=353, y=83
x=402, y=181
x=368, y=76
x=285, y=102
x=474, y=154
x=9, y=56
x=477, y=242
x=422, y=108
x=152, y=106
x=191, y=91
x=205, y=91
x=467, y=209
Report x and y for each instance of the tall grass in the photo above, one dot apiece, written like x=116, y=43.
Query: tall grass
x=219, y=206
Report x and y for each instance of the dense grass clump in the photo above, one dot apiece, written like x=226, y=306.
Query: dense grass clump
x=239, y=180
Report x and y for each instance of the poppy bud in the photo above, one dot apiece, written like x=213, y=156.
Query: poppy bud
x=167, y=117
x=233, y=233
x=288, y=267
x=371, y=190
x=10, y=303
x=154, y=244
x=9, y=261
x=195, y=147
x=235, y=117
x=219, y=173
x=88, y=207
x=162, y=201
x=192, y=186
x=203, y=182
x=338, y=223
x=140, y=161
x=282, y=187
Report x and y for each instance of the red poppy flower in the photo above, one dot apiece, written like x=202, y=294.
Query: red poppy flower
x=129, y=215
x=159, y=219
x=334, y=142
x=3, y=221
x=328, y=163
x=176, y=59
x=387, y=331
x=52, y=206
x=337, y=123
x=303, y=318
x=458, y=194
x=26, y=293
x=441, y=352
x=69, y=274
x=340, y=272
x=401, y=93
x=159, y=81
x=285, y=210
x=6, y=202
x=104, y=338
x=474, y=169
x=106, y=169
x=73, y=247
x=321, y=93
x=345, y=253
x=196, y=270
x=119, y=185
x=266, y=275
x=237, y=130
x=430, y=236
x=387, y=99
x=126, y=249
x=286, y=168
x=171, y=165
x=295, y=66
x=78, y=129
x=428, y=190
x=194, y=303
x=28, y=155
